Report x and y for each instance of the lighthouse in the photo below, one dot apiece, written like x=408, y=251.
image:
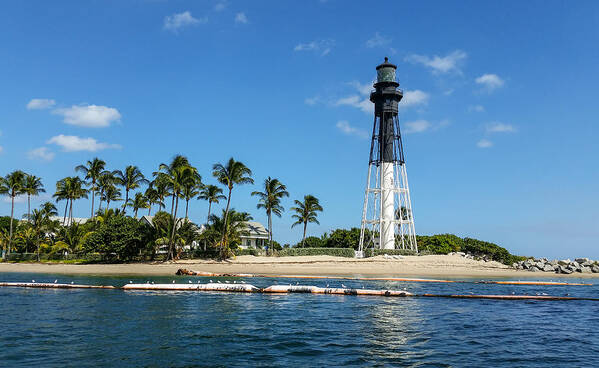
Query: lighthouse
x=387, y=218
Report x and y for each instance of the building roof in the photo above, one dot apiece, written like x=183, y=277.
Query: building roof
x=76, y=220
x=255, y=230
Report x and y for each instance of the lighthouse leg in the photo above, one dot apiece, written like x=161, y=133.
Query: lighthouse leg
x=388, y=206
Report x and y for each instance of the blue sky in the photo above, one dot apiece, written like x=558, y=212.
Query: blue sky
x=499, y=114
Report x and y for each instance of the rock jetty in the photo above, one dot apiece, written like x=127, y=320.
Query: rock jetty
x=565, y=266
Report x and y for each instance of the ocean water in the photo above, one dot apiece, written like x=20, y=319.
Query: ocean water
x=115, y=328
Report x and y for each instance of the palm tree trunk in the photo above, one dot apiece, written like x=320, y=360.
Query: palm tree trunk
x=304, y=237
x=37, y=241
x=209, y=208
x=64, y=219
x=136, y=212
x=71, y=214
x=171, y=244
x=222, y=242
x=270, y=233
x=126, y=201
x=93, y=197
x=28, y=206
x=150, y=210
x=12, y=212
x=107, y=204
x=100, y=204
x=172, y=203
x=186, y=207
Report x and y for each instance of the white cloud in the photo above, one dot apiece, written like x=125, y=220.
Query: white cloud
x=498, y=127
x=417, y=126
x=321, y=46
x=178, y=21
x=377, y=41
x=344, y=126
x=40, y=104
x=364, y=89
x=484, y=143
x=415, y=97
x=476, y=108
x=220, y=6
x=312, y=100
x=356, y=101
x=41, y=153
x=490, y=81
x=449, y=63
x=91, y=116
x=241, y=18
x=71, y=143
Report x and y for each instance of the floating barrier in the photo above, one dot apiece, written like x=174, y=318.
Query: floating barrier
x=285, y=289
x=240, y=288
x=48, y=285
x=186, y=272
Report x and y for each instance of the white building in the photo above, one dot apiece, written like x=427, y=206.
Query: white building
x=254, y=235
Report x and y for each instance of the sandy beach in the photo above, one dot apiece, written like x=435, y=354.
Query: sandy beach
x=434, y=266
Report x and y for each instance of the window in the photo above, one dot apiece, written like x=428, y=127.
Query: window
x=248, y=243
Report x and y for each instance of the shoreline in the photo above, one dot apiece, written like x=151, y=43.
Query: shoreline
x=435, y=266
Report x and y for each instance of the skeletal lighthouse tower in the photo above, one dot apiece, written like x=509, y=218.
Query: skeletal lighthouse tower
x=387, y=219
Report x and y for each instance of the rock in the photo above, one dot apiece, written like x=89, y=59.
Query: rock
x=554, y=262
x=595, y=269
x=515, y=265
x=460, y=254
x=587, y=264
x=533, y=269
x=585, y=269
x=581, y=260
x=548, y=268
x=540, y=265
x=567, y=271
x=564, y=262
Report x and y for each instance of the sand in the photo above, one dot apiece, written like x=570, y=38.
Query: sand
x=434, y=266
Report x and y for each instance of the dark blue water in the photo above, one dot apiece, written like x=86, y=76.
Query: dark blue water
x=91, y=328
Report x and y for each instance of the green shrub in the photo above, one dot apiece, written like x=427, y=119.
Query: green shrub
x=497, y=253
x=249, y=252
x=440, y=244
x=336, y=252
x=311, y=242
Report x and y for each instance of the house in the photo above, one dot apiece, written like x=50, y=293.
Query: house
x=254, y=235
x=76, y=220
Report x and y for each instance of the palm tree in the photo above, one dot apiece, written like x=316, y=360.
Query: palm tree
x=306, y=212
x=140, y=201
x=38, y=220
x=167, y=171
x=12, y=185
x=111, y=194
x=105, y=180
x=61, y=193
x=191, y=188
x=153, y=198
x=32, y=187
x=233, y=228
x=93, y=171
x=270, y=200
x=131, y=178
x=212, y=194
x=162, y=191
x=233, y=172
x=176, y=176
x=49, y=209
x=75, y=190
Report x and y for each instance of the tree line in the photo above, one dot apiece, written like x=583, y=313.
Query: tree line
x=173, y=184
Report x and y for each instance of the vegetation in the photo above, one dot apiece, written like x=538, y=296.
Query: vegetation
x=306, y=212
x=110, y=234
x=270, y=201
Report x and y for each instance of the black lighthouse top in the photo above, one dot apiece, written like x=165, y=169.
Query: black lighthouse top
x=385, y=72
